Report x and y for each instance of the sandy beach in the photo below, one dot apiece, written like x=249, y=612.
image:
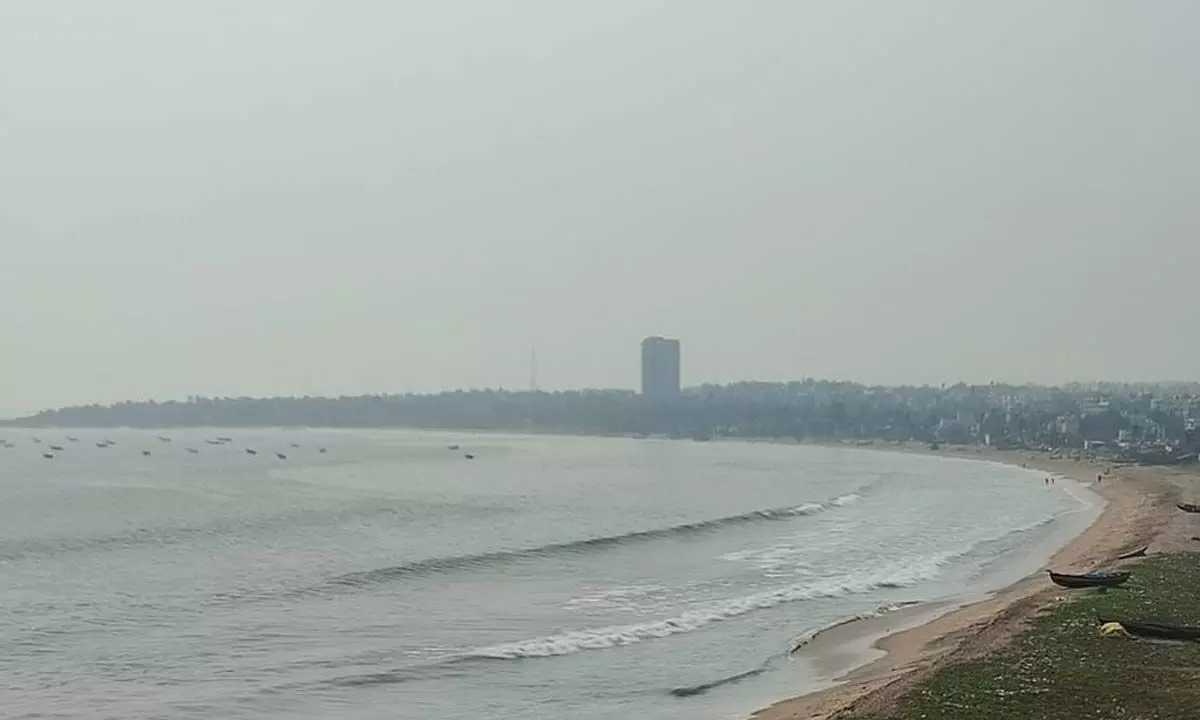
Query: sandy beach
x=1137, y=513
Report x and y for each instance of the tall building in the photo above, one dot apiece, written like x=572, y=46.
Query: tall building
x=660, y=368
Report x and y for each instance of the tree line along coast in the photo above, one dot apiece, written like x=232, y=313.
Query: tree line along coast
x=1146, y=423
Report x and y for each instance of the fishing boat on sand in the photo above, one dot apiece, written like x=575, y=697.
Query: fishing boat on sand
x=1099, y=579
x=1140, y=552
x=1157, y=630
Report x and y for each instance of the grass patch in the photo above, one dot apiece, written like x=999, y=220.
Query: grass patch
x=1061, y=668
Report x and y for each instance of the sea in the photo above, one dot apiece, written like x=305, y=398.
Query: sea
x=393, y=574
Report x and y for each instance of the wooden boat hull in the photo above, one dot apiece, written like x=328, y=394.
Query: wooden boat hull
x=1140, y=552
x=1188, y=507
x=1105, y=580
x=1159, y=631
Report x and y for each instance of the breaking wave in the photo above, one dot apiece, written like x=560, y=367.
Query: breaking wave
x=844, y=500
x=898, y=575
x=465, y=562
x=613, y=636
x=691, y=690
x=878, y=612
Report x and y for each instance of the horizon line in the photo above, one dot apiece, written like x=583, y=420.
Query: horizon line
x=1091, y=384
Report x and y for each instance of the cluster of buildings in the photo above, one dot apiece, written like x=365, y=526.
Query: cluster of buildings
x=1138, y=422
x=1152, y=420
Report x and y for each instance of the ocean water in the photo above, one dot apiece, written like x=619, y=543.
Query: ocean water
x=550, y=577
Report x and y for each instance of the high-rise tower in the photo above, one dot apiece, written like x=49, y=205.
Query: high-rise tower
x=660, y=368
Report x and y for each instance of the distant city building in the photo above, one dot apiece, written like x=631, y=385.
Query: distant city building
x=660, y=368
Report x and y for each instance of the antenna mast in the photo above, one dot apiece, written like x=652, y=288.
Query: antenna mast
x=533, y=383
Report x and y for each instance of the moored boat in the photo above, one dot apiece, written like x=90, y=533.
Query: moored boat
x=1100, y=579
x=1157, y=630
x=1140, y=552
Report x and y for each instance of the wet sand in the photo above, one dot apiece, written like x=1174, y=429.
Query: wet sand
x=911, y=642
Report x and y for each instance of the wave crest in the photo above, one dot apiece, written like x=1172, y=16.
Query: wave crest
x=887, y=609
x=613, y=636
x=461, y=562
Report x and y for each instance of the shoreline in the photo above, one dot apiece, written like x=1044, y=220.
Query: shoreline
x=840, y=650
x=909, y=645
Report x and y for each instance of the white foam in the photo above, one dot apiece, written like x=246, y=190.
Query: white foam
x=768, y=556
x=844, y=500
x=900, y=575
x=626, y=597
x=878, y=612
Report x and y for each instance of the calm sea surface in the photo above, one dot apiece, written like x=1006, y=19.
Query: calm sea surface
x=548, y=578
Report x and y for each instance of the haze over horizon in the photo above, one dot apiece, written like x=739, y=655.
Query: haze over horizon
x=294, y=197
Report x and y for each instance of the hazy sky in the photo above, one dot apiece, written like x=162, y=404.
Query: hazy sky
x=302, y=197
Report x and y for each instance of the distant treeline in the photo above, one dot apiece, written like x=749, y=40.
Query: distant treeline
x=997, y=414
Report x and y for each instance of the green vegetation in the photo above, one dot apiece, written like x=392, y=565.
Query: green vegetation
x=1149, y=424
x=1062, y=668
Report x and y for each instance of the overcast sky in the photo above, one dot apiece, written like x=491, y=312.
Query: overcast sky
x=269, y=197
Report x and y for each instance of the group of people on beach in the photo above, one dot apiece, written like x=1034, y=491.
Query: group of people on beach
x=1099, y=477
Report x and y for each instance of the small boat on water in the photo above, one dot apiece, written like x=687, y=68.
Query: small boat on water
x=1140, y=552
x=1159, y=631
x=48, y=456
x=193, y=450
x=1098, y=579
x=146, y=453
x=251, y=451
x=281, y=456
x=1188, y=507
x=56, y=448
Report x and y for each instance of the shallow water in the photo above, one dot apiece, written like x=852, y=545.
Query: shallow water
x=392, y=577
